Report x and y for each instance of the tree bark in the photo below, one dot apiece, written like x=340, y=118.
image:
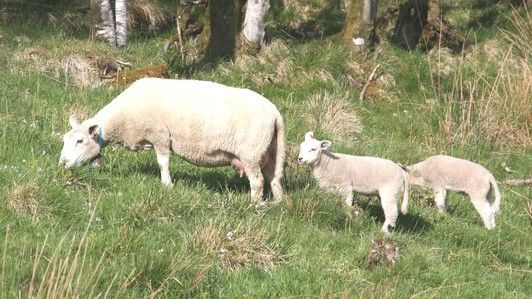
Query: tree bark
x=121, y=23
x=253, y=29
x=361, y=16
x=370, y=11
x=107, y=28
x=224, y=18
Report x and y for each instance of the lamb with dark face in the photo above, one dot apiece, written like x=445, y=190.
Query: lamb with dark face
x=441, y=173
x=346, y=174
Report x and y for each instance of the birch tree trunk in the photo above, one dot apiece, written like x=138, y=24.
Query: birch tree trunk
x=107, y=28
x=370, y=11
x=121, y=23
x=253, y=29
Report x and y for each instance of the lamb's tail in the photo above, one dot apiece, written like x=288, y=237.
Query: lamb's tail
x=404, y=203
x=496, y=205
x=280, y=152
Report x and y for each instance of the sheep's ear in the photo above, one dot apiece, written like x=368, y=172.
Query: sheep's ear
x=309, y=135
x=325, y=144
x=73, y=122
x=93, y=131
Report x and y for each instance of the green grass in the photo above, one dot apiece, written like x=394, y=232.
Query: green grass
x=116, y=232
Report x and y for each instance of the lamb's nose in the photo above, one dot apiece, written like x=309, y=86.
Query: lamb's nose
x=300, y=159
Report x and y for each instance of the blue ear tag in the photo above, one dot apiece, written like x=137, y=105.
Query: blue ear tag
x=100, y=137
x=96, y=161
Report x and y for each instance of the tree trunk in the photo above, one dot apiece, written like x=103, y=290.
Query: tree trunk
x=224, y=16
x=121, y=23
x=370, y=11
x=361, y=16
x=253, y=30
x=107, y=28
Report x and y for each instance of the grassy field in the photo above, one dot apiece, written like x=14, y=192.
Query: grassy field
x=116, y=232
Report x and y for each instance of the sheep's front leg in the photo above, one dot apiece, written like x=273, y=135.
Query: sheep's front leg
x=439, y=199
x=163, y=159
x=349, y=199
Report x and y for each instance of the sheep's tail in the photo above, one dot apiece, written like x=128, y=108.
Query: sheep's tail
x=404, y=203
x=496, y=206
x=280, y=151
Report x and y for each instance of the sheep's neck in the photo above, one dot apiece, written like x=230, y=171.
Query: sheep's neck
x=107, y=124
x=322, y=164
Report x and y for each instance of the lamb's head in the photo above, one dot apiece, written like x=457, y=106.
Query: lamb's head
x=310, y=149
x=414, y=175
x=80, y=144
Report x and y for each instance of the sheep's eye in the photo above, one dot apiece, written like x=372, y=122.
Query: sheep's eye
x=313, y=149
x=79, y=141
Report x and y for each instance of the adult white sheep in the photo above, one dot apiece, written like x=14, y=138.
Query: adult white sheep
x=205, y=123
x=442, y=173
x=346, y=174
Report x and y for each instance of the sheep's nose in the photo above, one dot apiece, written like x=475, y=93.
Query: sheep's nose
x=300, y=159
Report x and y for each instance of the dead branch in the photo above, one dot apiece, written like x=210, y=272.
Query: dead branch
x=518, y=182
x=371, y=78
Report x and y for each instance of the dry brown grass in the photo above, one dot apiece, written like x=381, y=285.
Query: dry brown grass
x=334, y=115
x=242, y=246
x=274, y=62
x=25, y=200
x=79, y=70
x=148, y=15
x=496, y=108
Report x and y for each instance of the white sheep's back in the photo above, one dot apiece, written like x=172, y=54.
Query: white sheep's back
x=456, y=174
x=202, y=117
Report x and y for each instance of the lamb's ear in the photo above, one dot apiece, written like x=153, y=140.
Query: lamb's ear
x=73, y=122
x=309, y=135
x=93, y=131
x=325, y=144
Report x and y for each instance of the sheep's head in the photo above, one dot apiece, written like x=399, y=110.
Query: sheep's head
x=310, y=149
x=80, y=144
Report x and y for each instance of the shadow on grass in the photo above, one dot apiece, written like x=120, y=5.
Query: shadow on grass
x=409, y=223
x=214, y=180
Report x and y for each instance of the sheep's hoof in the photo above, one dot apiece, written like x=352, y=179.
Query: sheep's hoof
x=168, y=185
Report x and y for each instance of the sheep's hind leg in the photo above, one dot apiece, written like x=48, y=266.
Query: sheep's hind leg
x=485, y=211
x=268, y=171
x=391, y=211
x=256, y=182
x=440, y=200
x=163, y=159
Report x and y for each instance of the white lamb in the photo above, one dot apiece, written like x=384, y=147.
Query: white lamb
x=442, y=173
x=205, y=123
x=346, y=174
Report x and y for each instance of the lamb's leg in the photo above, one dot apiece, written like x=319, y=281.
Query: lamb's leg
x=389, y=206
x=256, y=182
x=163, y=159
x=485, y=211
x=440, y=199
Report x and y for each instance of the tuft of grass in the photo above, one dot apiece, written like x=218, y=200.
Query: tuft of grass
x=491, y=99
x=334, y=115
x=148, y=15
x=26, y=200
x=246, y=244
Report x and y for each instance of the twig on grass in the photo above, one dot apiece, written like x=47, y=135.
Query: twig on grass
x=371, y=78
